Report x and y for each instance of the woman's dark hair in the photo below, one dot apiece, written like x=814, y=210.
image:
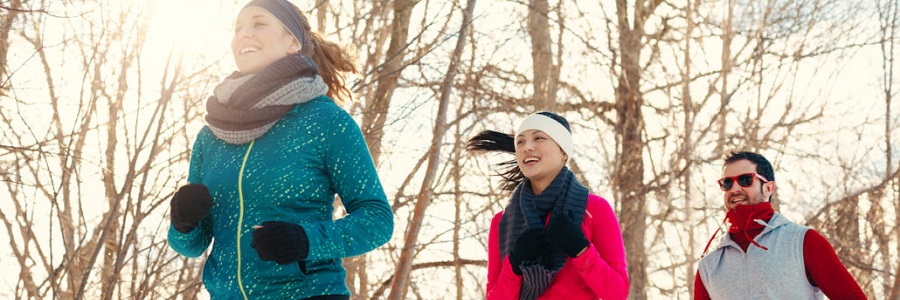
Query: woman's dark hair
x=492, y=141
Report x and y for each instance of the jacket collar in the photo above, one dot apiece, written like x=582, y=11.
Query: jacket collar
x=776, y=221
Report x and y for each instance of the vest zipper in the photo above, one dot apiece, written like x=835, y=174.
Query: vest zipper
x=746, y=258
x=241, y=218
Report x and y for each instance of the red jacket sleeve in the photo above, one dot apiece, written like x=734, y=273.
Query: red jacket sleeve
x=825, y=270
x=502, y=282
x=700, y=292
x=603, y=266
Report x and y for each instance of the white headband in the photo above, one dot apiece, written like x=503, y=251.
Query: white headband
x=551, y=127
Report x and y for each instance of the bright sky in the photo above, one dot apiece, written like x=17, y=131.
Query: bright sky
x=191, y=27
x=198, y=31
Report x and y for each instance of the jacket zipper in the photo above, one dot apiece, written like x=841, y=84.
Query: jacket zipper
x=241, y=218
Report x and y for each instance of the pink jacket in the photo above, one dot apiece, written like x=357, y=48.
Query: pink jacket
x=599, y=273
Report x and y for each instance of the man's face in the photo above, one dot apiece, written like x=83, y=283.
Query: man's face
x=757, y=192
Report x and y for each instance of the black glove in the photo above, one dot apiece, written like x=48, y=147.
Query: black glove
x=529, y=246
x=189, y=205
x=565, y=234
x=280, y=242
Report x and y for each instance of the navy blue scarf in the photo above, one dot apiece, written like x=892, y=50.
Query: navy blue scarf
x=564, y=196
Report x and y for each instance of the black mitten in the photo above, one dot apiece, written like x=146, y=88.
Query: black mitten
x=190, y=204
x=528, y=247
x=565, y=234
x=280, y=242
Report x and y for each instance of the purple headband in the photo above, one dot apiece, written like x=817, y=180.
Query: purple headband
x=286, y=14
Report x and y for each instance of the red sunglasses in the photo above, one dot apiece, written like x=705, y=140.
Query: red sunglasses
x=744, y=180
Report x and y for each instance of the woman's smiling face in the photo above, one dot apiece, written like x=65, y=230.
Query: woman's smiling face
x=538, y=156
x=259, y=40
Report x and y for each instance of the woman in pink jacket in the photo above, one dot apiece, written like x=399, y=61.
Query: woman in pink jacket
x=554, y=240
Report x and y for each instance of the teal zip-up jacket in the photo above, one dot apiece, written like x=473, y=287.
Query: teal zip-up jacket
x=290, y=174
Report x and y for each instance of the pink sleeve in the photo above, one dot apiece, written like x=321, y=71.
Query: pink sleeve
x=603, y=265
x=502, y=283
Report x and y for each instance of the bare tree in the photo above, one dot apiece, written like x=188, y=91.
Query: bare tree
x=8, y=17
x=888, y=14
x=72, y=237
x=629, y=169
x=727, y=61
x=386, y=75
x=687, y=146
x=398, y=287
x=545, y=71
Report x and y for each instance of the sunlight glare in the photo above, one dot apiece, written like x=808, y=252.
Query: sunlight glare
x=189, y=29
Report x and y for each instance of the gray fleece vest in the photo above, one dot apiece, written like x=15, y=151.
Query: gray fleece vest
x=778, y=273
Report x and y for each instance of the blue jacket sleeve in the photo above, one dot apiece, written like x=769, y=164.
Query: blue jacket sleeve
x=194, y=243
x=369, y=222
x=191, y=244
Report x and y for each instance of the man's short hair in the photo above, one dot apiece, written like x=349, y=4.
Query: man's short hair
x=763, y=167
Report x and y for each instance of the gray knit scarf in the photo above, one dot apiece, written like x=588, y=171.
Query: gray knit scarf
x=564, y=196
x=244, y=107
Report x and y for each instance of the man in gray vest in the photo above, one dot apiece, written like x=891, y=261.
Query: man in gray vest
x=764, y=255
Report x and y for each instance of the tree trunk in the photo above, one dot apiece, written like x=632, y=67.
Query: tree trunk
x=888, y=18
x=321, y=14
x=888, y=28
x=6, y=21
x=724, y=94
x=374, y=119
x=629, y=167
x=688, y=147
x=377, y=106
x=846, y=229
x=895, y=290
x=544, y=81
x=629, y=178
x=457, y=205
x=881, y=238
x=404, y=266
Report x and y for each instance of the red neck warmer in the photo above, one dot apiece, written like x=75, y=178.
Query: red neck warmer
x=742, y=224
x=740, y=219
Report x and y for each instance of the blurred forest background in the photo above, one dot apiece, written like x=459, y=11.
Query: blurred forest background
x=100, y=101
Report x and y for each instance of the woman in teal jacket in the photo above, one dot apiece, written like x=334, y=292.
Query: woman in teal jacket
x=265, y=170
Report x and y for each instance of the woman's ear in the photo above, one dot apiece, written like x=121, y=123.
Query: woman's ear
x=296, y=47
